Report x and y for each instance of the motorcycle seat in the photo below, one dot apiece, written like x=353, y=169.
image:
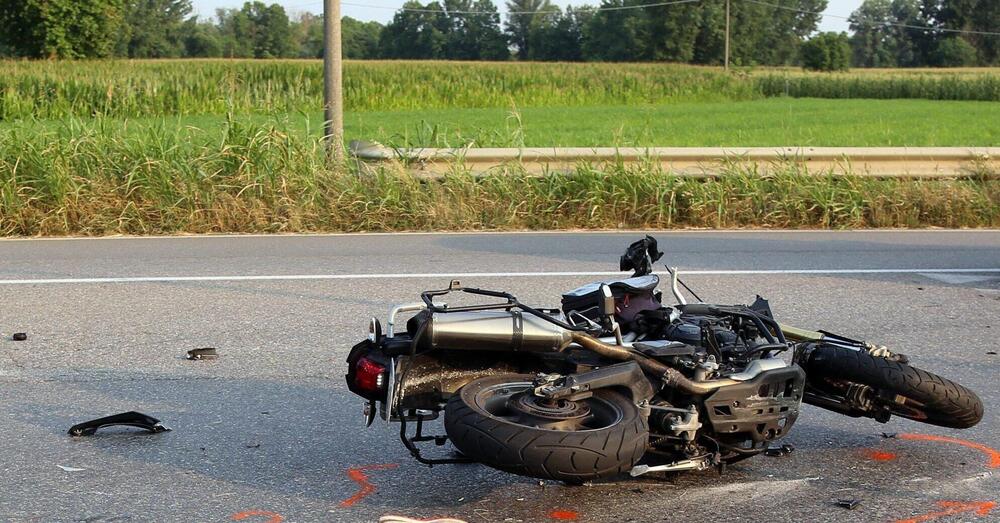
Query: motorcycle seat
x=635, y=285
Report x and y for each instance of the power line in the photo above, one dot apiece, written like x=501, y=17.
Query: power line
x=874, y=22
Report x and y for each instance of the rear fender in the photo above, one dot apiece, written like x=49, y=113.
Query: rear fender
x=426, y=381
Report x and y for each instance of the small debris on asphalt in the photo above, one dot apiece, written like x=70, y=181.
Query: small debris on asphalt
x=70, y=469
x=991, y=352
x=848, y=503
x=783, y=450
x=889, y=435
x=19, y=336
x=252, y=445
x=203, y=353
x=130, y=419
x=392, y=518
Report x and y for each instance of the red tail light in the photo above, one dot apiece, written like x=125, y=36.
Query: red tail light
x=369, y=376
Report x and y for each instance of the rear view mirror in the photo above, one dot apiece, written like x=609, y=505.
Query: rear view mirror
x=607, y=301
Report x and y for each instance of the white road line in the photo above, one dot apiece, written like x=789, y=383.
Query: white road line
x=446, y=275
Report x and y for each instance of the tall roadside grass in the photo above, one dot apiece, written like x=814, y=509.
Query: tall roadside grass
x=89, y=180
x=126, y=89
x=982, y=87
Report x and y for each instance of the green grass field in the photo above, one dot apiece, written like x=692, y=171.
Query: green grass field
x=216, y=146
x=767, y=122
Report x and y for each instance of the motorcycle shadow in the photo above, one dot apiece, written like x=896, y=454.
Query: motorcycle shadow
x=296, y=443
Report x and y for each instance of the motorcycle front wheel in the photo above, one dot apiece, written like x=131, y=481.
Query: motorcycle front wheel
x=905, y=390
x=499, y=422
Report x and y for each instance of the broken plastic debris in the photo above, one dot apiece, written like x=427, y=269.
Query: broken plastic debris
x=848, y=503
x=131, y=419
x=204, y=353
x=783, y=450
x=70, y=469
x=391, y=518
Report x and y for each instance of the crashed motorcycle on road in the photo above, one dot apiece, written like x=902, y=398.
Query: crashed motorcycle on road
x=617, y=382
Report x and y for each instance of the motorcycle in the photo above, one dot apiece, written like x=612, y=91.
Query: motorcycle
x=616, y=382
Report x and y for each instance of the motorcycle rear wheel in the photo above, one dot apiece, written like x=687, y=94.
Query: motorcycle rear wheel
x=606, y=442
x=919, y=395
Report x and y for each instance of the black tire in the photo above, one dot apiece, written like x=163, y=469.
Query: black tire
x=573, y=456
x=936, y=400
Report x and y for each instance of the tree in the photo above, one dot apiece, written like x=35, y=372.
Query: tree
x=234, y=30
x=614, y=35
x=359, y=39
x=413, y=34
x=471, y=31
x=485, y=29
x=270, y=31
x=671, y=32
x=913, y=44
x=889, y=33
x=827, y=52
x=60, y=28
x=200, y=39
x=954, y=51
x=976, y=16
x=257, y=30
x=307, y=35
x=519, y=25
x=873, y=43
x=559, y=36
x=152, y=28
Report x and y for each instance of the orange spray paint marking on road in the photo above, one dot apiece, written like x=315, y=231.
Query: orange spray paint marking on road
x=878, y=455
x=359, y=477
x=564, y=515
x=949, y=508
x=991, y=453
x=272, y=516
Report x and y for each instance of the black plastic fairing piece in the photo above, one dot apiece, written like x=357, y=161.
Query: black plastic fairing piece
x=640, y=257
x=203, y=353
x=129, y=419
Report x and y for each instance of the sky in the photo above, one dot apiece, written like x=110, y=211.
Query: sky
x=383, y=13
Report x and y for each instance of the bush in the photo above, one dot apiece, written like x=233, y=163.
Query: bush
x=827, y=52
x=954, y=52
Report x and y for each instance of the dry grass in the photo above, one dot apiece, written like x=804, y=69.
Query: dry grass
x=250, y=178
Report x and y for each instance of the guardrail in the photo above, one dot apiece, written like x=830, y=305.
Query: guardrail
x=916, y=162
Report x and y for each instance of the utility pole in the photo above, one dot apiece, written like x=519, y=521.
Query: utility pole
x=333, y=96
x=727, y=35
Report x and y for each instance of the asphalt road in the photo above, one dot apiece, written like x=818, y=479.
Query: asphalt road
x=269, y=432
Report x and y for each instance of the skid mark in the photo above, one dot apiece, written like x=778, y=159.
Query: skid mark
x=358, y=475
x=992, y=454
x=272, y=516
x=949, y=508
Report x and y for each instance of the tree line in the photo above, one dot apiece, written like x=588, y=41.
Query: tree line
x=772, y=32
